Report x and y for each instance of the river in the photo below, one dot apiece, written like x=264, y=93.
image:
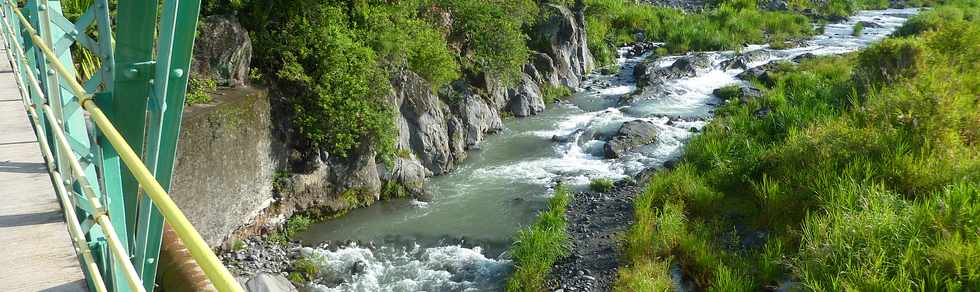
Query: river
x=457, y=241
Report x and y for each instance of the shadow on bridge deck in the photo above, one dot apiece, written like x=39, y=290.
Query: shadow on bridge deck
x=35, y=250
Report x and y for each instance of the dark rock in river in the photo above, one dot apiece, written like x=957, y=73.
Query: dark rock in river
x=631, y=134
x=804, y=57
x=743, y=60
x=687, y=66
x=760, y=73
x=744, y=94
x=868, y=24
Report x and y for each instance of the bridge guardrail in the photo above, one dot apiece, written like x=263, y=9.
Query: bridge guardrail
x=78, y=176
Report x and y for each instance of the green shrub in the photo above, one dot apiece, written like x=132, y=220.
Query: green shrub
x=729, y=92
x=890, y=60
x=553, y=93
x=199, y=90
x=858, y=29
x=601, y=185
x=537, y=247
x=304, y=270
x=297, y=223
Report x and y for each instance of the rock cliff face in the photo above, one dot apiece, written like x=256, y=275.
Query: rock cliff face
x=435, y=131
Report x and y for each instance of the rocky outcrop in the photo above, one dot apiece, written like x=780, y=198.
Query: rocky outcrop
x=526, y=98
x=760, y=73
x=687, y=66
x=651, y=78
x=743, y=93
x=435, y=131
x=426, y=118
x=743, y=60
x=222, y=51
x=477, y=118
x=631, y=135
x=563, y=34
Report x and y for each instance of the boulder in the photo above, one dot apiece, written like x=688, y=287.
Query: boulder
x=562, y=33
x=760, y=73
x=477, y=118
x=686, y=66
x=223, y=51
x=267, y=282
x=744, y=93
x=777, y=5
x=868, y=24
x=743, y=60
x=424, y=117
x=544, y=66
x=526, y=98
x=804, y=57
x=630, y=135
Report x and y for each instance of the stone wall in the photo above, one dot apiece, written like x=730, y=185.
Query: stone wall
x=225, y=162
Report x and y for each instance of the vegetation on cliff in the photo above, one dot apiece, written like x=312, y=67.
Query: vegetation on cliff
x=332, y=59
x=861, y=174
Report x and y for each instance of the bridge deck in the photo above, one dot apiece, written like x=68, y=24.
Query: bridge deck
x=36, y=253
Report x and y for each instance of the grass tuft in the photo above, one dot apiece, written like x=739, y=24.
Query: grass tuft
x=537, y=247
x=601, y=185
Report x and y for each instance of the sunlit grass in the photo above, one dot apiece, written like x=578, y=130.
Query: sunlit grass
x=865, y=176
x=537, y=247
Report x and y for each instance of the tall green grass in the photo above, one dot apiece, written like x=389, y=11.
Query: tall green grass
x=729, y=25
x=864, y=176
x=537, y=247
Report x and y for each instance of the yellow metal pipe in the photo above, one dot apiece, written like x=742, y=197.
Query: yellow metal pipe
x=219, y=275
x=119, y=253
x=74, y=228
x=216, y=271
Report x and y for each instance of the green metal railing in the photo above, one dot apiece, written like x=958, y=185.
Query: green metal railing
x=127, y=114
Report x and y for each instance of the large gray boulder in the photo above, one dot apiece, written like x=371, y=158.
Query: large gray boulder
x=222, y=51
x=477, y=118
x=526, y=99
x=686, y=66
x=266, y=282
x=761, y=73
x=542, y=69
x=562, y=33
x=631, y=135
x=743, y=60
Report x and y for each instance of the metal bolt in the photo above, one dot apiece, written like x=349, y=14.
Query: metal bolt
x=131, y=73
x=50, y=71
x=177, y=73
x=42, y=7
x=150, y=260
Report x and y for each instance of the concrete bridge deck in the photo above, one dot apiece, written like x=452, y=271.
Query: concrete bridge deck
x=36, y=253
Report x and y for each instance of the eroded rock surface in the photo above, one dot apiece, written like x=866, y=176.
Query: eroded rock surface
x=632, y=134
